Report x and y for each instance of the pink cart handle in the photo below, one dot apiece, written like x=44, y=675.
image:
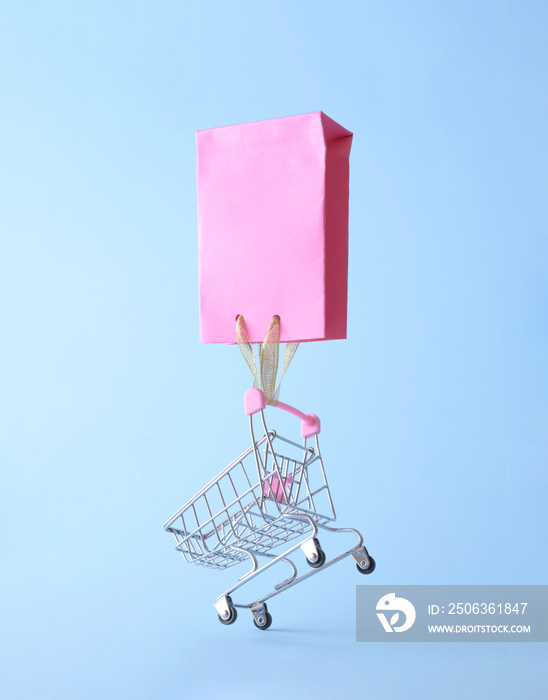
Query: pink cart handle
x=254, y=401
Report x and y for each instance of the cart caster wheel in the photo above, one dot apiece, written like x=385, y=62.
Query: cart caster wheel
x=231, y=619
x=266, y=624
x=370, y=568
x=320, y=561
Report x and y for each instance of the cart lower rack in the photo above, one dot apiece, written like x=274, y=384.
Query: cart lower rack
x=268, y=503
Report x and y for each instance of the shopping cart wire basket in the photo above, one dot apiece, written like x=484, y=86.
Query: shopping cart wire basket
x=269, y=502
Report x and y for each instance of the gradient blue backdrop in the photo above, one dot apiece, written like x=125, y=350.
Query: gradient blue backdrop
x=434, y=409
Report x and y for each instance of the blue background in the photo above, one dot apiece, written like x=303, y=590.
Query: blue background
x=112, y=414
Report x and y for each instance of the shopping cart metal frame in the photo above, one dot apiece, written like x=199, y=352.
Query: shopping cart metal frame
x=258, y=518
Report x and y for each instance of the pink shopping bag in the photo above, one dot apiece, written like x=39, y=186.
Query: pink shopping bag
x=275, y=490
x=273, y=228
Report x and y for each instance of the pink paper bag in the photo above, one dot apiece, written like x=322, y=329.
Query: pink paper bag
x=273, y=228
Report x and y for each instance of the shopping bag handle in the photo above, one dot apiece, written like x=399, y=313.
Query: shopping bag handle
x=254, y=401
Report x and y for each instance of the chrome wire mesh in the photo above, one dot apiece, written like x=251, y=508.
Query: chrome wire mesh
x=255, y=504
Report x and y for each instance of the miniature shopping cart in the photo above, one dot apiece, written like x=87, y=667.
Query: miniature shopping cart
x=267, y=504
